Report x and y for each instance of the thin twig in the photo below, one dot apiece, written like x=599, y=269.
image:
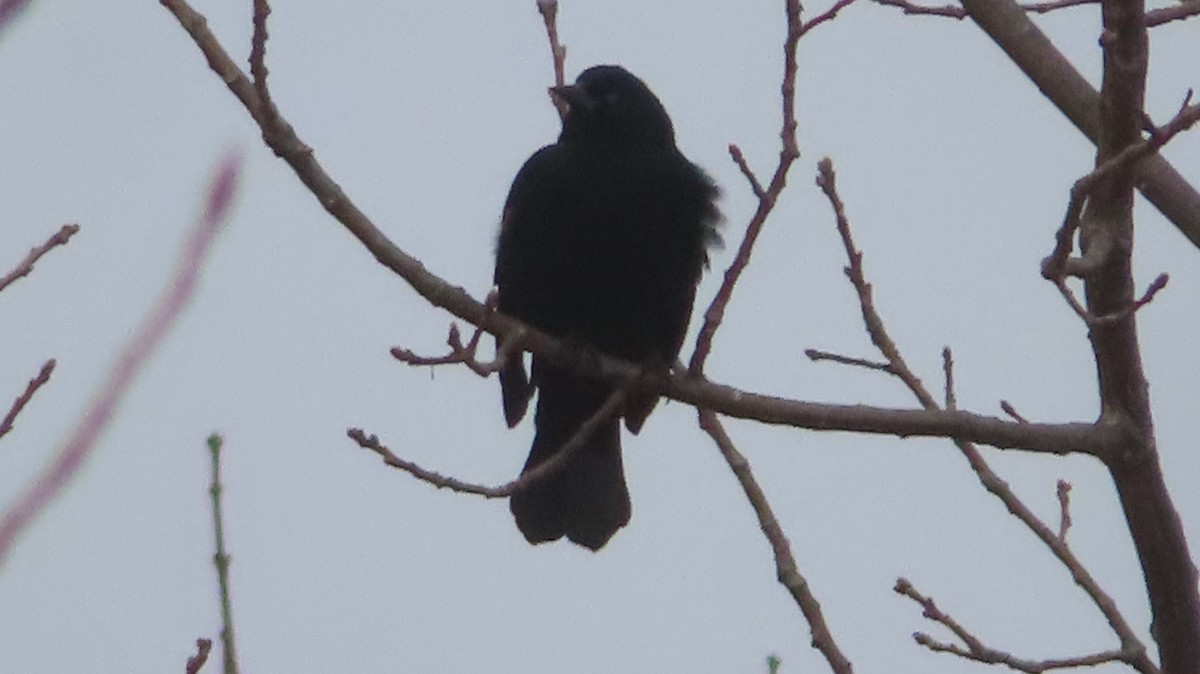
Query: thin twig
x=951, y=402
x=175, y=296
x=610, y=409
x=953, y=12
x=1012, y=412
x=221, y=558
x=785, y=564
x=24, y=267
x=1063, y=492
x=22, y=400
x=196, y=662
x=816, y=355
x=977, y=651
x=558, y=53
x=825, y=16
x=1058, y=264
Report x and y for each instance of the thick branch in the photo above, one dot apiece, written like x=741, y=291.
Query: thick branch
x=1154, y=524
x=1006, y=23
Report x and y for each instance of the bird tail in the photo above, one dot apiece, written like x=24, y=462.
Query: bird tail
x=585, y=500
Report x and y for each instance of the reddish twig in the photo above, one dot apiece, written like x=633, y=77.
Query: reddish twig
x=825, y=16
x=22, y=400
x=976, y=650
x=785, y=564
x=23, y=268
x=72, y=453
x=611, y=408
x=196, y=662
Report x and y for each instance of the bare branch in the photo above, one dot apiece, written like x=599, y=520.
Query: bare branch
x=196, y=662
x=22, y=400
x=610, y=409
x=692, y=389
x=1058, y=264
x=817, y=355
x=1184, y=10
x=785, y=564
x=977, y=651
x=988, y=478
x=788, y=153
x=951, y=402
x=549, y=11
x=740, y=159
x=1012, y=412
x=176, y=294
x=24, y=267
x=1063, y=492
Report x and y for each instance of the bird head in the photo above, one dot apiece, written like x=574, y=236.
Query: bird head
x=608, y=105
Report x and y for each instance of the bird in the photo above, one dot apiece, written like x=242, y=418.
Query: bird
x=603, y=239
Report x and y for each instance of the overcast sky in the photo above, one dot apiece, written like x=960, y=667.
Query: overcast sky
x=955, y=173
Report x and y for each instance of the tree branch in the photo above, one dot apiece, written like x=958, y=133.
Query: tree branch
x=22, y=400
x=987, y=477
x=785, y=564
x=24, y=267
x=694, y=390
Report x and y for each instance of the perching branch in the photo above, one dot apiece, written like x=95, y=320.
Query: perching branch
x=694, y=390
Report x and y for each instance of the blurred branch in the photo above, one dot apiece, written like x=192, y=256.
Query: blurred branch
x=1131, y=645
x=22, y=400
x=94, y=419
x=221, y=558
x=24, y=267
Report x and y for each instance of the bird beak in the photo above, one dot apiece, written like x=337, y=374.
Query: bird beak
x=574, y=96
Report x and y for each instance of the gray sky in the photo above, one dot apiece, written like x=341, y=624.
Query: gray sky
x=955, y=173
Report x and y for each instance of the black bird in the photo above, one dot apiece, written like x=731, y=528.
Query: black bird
x=603, y=239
